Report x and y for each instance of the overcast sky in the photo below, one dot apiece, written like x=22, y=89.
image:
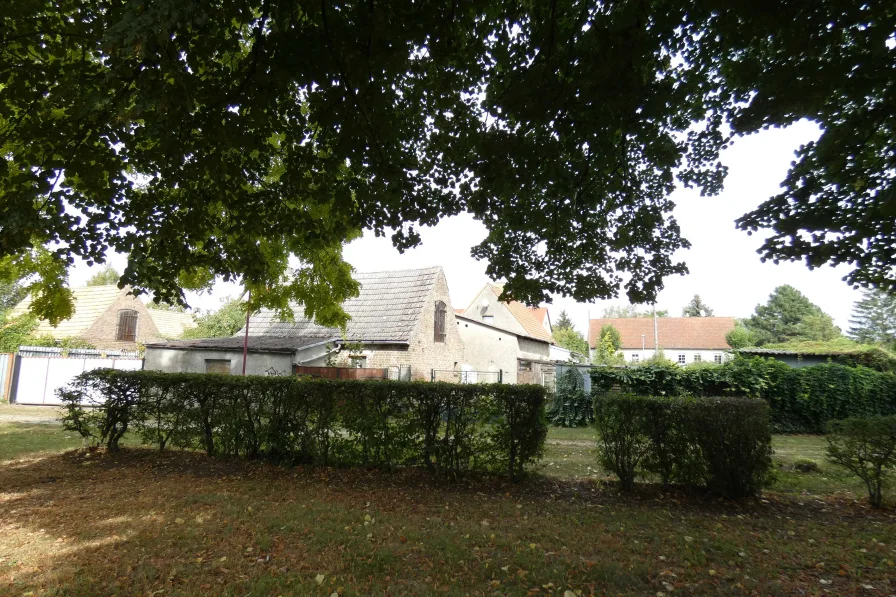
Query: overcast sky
x=724, y=267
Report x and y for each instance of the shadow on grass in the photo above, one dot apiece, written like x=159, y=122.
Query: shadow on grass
x=179, y=523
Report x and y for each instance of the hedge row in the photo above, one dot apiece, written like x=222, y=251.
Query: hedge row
x=801, y=400
x=449, y=428
x=723, y=444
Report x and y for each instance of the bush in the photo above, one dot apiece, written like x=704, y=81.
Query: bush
x=571, y=406
x=801, y=400
x=867, y=448
x=723, y=444
x=447, y=427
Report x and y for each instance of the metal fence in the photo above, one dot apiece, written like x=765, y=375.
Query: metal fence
x=39, y=370
x=455, y=376
x=397, y=372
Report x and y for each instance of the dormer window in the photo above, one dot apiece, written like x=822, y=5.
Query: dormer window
x=439, y=322
x=127, y=325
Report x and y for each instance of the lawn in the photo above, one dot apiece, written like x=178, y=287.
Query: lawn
x=138, y=522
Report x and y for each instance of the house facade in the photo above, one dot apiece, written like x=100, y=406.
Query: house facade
x=683, y=340
x=400, y=320
x=490, y=349
x=111, y=318
x=498, y=320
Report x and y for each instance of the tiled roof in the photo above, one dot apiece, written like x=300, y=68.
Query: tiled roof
x=171, y=324
x=386, y=310
x=674, y=332
x=540, y=313
x=526, y=317
x=90, y=303
x=256, y=344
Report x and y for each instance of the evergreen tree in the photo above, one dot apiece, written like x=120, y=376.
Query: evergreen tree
x=790, y=316
x=873, y=318
x=615, y=337
x=607, y=351
x=563, y=322
x=696, y=308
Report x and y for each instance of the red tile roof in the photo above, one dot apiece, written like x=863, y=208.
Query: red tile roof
x=674, y=332
x=540, y=313
x=526, y=317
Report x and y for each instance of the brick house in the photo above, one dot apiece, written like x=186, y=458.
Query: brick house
x=112, y=318
x=400, y=320
x=683, y=340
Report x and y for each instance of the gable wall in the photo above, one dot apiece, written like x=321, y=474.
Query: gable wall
x=104, y=331
x=503, y=318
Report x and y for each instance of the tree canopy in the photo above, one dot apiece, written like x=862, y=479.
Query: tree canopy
x=787, y=316
x=572, y=340
x=626, y=311
x=696, y=308
x=224, y=139
x=106, y=276
x=226, y=321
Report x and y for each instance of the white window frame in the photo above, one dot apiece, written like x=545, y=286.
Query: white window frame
x=717, y=358
x=682, y=359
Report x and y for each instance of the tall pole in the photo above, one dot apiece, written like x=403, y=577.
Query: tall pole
x=656, y=334
x=246, y=336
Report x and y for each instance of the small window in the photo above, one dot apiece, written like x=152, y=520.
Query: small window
x=489, y=319
x=221, y=366
x=698, y=358
x=358, y=362
x=682, y=359
x=525, y=366
x=439, y=328
x=717, y=358
x=636, y=358
x=127, y=325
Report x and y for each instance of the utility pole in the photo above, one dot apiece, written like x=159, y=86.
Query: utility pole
x=656, y=334
x=246, y=336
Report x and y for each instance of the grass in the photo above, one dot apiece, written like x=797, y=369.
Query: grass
x=138, y=522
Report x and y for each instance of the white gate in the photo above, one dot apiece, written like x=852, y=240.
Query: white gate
x=40, y=371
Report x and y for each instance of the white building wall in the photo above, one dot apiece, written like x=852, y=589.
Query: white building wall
x=489, y=349
x=194, y=361
x=676, y=355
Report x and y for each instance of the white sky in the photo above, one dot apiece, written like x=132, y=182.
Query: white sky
x=724, y=267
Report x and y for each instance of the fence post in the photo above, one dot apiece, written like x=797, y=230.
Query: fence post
x=500, y=376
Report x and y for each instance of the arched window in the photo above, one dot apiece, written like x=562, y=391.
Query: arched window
x=127, y=325
x=439, y=325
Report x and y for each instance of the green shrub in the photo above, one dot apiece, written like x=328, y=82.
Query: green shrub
x=867, y=448
x=805, y=465
x=449, y=428
x=801, y=400
x=571, y=406
x=624, y=445
x=723, y=444
x=735, y=443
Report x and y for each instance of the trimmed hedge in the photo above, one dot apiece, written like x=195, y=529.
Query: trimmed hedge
x=449, y=428
x=801, y=400
x=723, y=444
